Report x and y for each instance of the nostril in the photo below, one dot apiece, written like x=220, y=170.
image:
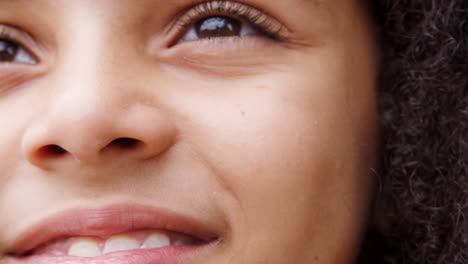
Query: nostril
x=125, y=143
x=51, y=151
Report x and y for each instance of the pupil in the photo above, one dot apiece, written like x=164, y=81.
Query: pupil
x=216, y=26
x=8, y=51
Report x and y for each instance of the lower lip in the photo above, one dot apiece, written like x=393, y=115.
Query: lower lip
x=166, y=255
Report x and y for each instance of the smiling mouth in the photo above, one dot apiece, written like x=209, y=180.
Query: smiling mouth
x=97, y=246
x=118, y=234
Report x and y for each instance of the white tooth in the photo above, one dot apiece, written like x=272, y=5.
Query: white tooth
x=120, y=243
x=84, y=247
x=156, y=240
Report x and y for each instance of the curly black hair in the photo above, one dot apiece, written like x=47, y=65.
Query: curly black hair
x=421, y=209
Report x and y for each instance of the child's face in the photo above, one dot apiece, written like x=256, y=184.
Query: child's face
x=123, y=116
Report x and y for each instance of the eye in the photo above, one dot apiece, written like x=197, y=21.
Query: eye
x=11, y=52
x=218, y=27
x=224, y=19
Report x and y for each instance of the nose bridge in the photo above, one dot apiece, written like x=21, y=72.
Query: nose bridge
x=89, y=52
x=85, y=58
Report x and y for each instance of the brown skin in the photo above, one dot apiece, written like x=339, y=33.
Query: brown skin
x=271, y=142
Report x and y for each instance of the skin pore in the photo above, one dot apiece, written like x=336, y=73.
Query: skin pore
x=268, y=139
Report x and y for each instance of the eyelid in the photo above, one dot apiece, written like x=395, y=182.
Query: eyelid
x=257, y=18
x=19, y=37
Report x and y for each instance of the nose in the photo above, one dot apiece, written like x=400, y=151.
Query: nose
x=85, y=128
x=94, y=109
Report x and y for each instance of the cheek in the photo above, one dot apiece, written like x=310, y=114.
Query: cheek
x=294, y=153
x=16, y=111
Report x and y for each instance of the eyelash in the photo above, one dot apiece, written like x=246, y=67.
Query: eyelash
x=6, y=35
x=258, y=19
x=9, y=34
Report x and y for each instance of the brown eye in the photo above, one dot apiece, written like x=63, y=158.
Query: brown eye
x=217, y=26
x=226, y=20
x=12, y=52
x=8, y=51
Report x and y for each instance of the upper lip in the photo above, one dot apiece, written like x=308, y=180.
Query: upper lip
x=106, y=221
